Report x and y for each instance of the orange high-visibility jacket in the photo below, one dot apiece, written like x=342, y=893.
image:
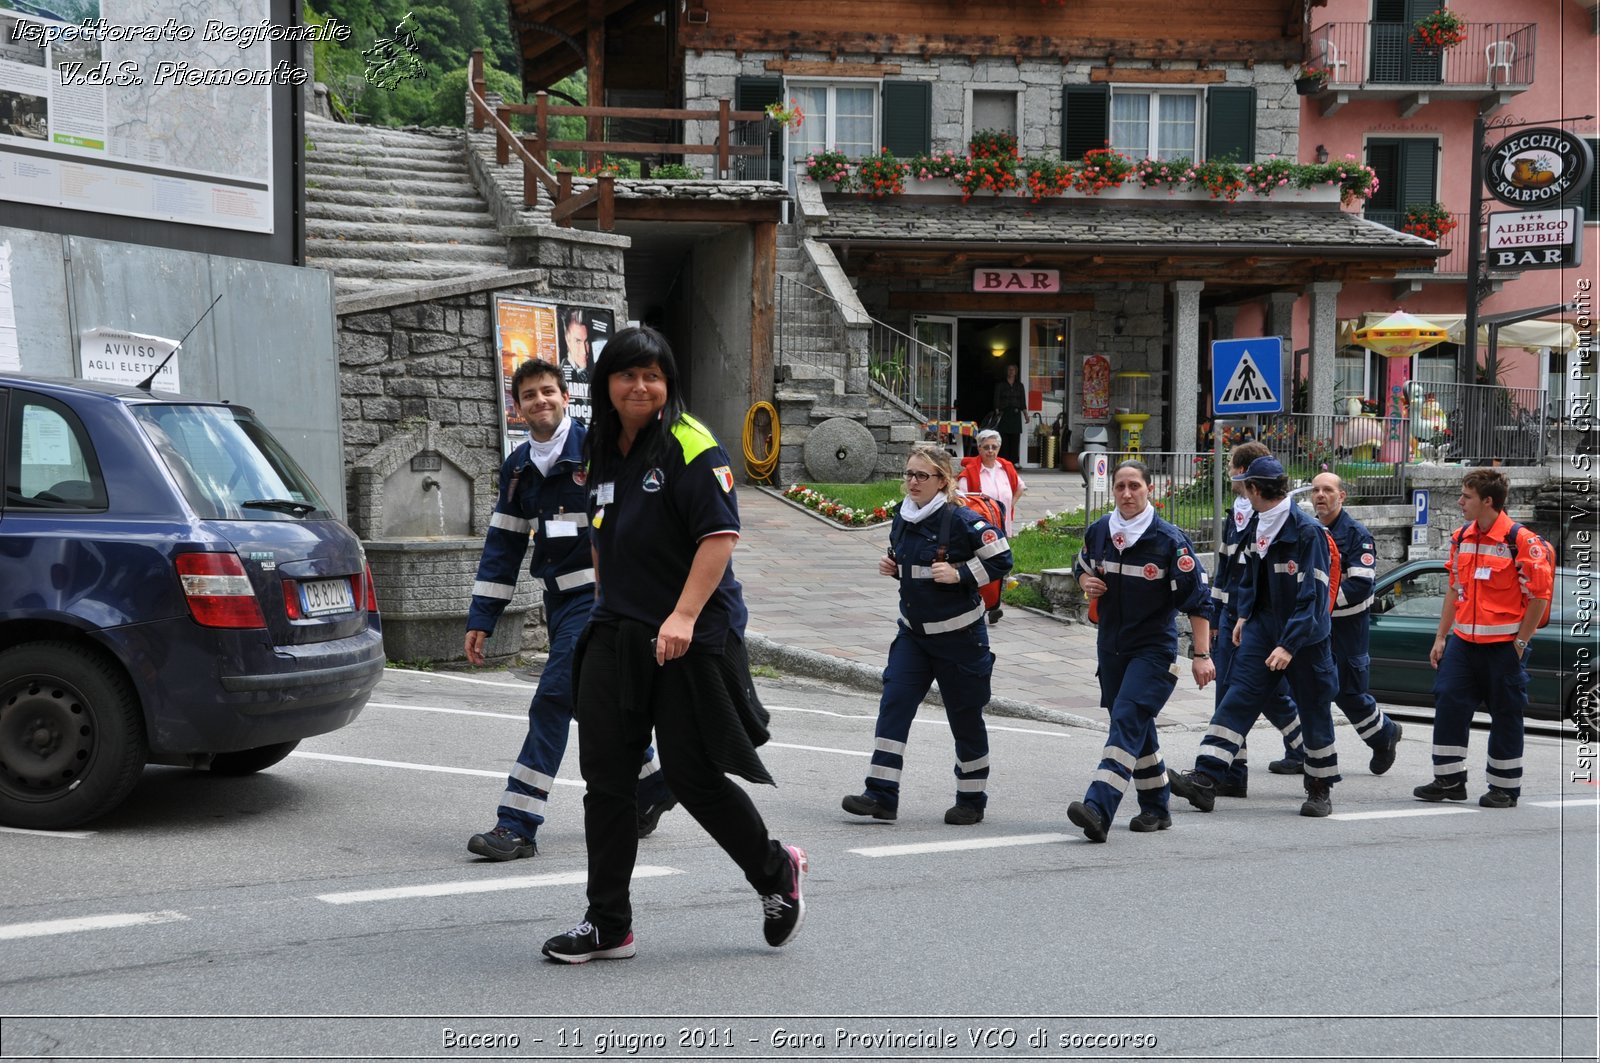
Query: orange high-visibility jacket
x=1492, y=590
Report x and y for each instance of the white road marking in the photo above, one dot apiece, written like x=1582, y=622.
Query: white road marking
x=955, y=847
x=429, y=676
x=88, y=922
x=1566, y=802
x=490, y=885
x=418, y=767
x=820, y=749
x=1402, y=813
x=519, y=717
x=942, y=723
x=48, y=833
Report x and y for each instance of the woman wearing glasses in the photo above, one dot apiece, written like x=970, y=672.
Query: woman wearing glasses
x=941, y=553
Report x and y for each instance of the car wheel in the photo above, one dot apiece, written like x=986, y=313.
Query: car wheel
x=71, y=735
x=250, y=761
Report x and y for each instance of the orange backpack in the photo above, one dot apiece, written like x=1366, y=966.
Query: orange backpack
x=1334, y=570
x=991, y=510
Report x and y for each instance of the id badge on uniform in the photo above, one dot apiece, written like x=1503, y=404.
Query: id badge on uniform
x=1481, y=573
x=560, y=529
x=605, y=494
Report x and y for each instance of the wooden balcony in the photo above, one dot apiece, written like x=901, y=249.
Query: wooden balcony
x=1379, y=61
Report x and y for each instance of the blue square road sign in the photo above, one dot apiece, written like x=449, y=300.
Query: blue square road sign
x=1247, y=376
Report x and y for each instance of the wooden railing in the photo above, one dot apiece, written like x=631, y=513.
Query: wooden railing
x=534, y=148
x=564, y=202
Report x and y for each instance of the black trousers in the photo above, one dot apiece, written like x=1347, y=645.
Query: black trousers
x=611, y=739
x=1011, y=446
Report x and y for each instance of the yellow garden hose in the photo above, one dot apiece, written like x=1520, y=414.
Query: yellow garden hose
x=761, y=468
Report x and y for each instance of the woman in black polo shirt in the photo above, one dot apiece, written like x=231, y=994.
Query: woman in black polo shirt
x=665, y=648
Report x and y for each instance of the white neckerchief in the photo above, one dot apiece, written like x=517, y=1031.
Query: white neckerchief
x=909, y=510
x=1269, y=523
x=544, y=455
x=1124, y=533
x=1241, y=513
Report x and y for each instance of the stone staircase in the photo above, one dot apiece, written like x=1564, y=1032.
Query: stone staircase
x=391, y=207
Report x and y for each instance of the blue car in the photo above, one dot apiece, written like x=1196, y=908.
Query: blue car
x=173, y=590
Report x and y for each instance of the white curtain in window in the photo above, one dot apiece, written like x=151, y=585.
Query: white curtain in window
x=812, y=135
x=1175, y=136
x=1130, y=124
x=854, y=126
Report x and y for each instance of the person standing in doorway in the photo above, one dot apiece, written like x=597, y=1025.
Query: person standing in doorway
x=541, y=502
x=665, y=649
x=1011, y=403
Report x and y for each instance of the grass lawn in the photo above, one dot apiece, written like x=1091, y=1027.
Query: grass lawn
x=861, y=496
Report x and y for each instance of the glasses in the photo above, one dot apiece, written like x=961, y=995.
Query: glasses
x=920, y=477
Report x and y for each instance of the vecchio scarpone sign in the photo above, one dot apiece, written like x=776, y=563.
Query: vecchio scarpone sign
x=1538, y=167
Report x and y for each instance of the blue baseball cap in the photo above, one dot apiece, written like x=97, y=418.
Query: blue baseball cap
x=1265, y=467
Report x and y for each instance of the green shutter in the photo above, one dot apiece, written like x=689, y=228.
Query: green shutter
x=1231, y=124
x=1590, y=200
x=1085, y=121
x=908, y=117
x=1419, y=170
x=753, y=94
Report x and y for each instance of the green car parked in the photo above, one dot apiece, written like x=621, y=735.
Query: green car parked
x=1563, y=656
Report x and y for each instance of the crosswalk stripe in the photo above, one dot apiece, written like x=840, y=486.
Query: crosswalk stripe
x=48, y=927
x=417, y=767
x=955, y=847
x=1567, y=802
x=481, y=885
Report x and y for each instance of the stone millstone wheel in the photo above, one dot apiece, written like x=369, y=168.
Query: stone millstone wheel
x=840, y=451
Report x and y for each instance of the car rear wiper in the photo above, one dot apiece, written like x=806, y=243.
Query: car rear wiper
x=282, y=505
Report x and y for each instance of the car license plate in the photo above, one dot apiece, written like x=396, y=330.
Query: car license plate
x=323, y=596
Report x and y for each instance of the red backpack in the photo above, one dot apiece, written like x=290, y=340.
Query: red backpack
x=991, y=510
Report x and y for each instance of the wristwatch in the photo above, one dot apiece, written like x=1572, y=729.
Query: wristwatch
x=1202, y=656
x=1522, y=646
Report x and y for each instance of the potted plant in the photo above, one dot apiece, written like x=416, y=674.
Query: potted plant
x=825, y=166
x=881, y=174
x=1311, y=79
x=1429, y=221
x=1440, y=30
x=789, y=115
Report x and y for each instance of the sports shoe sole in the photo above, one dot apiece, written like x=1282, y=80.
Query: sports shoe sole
x=1435, y=798
x=857, y=805
x=624, y=951
x=478, y=846
x=802, y=864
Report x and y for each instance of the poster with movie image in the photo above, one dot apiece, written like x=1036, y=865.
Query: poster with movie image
x=583, y=331
x=569, y=336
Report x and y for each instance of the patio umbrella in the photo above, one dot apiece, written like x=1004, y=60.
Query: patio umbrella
x=1400, y=335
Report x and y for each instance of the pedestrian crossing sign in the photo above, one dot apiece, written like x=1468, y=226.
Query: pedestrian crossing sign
x=1247, y=376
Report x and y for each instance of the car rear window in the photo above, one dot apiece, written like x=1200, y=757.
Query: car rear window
x=227, y=463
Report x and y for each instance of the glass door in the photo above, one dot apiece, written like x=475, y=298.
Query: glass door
x=932, y=366
x=1044, y=369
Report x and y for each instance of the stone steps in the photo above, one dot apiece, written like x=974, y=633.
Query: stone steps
x=481, y=258
x=328, y=163
x=394, y=272
x=399, y=210
x=426, y=233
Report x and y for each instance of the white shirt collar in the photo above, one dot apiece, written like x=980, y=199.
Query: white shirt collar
x=1124, y=533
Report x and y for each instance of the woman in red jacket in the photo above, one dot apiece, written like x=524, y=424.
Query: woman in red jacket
x=987, y=473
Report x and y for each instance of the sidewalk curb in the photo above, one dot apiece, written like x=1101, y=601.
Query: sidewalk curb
x=865, y=677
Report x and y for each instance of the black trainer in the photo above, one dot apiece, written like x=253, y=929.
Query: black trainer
x=1229, y=788
x=1383, y=756
x=1319, y=799
x=582, y=943
x=959, y=815
x=784, y=911
x=1497, y=799
x=1149, y=822
x=1092, y=822
x=1195, y=788
x=867, y=805
x=651, y=814
x=995, y=614
x=1439, y=790
x=502, y=843
x=1287, y=767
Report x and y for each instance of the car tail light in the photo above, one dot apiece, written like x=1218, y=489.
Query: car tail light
x=372, y=592
x=219, y=592
x=291, y=599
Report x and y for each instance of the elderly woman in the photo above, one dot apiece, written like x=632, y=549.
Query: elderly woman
x=987, y=473
x=940, y=553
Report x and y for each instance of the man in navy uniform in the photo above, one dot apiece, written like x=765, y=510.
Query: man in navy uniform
x=1357, y=561
x=542, y=500
x=1282, y=632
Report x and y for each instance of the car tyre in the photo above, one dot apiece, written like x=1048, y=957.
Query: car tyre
x=250, y=761
x=72, y=741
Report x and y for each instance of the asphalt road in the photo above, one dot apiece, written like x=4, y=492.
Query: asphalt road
x=328, y=908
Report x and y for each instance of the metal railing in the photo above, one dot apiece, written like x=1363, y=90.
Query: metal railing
x=1454, y=242
x=1369, y=453
x=1480, y=423
x=1379, y=54
x=1183, y=490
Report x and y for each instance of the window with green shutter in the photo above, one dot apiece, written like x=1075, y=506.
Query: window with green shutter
x=1408, y=171
x=1084, y=119
x=908, y=117
x=1590, y=200
x=753, y=94
x=1231, y=124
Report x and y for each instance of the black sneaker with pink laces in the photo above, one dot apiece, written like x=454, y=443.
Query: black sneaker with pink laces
x=583, y=943
x=784, y=911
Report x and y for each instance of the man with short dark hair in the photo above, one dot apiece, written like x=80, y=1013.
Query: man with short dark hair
x=1357, y=561
x=542, y=500
x=1502, y=578
x=1282, y=632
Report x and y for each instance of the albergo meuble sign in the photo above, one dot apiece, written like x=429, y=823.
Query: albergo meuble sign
x=1538, y=167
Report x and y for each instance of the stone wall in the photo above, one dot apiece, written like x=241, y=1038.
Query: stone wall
x=710, y=76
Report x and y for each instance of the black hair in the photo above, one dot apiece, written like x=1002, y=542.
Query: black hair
x=1133, y=463
x=631, y=348
x=534, y=368
x=1271, y=490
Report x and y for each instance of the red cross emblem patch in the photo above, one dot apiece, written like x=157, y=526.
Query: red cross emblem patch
x=1151, y=572
x=1185, y=563
x=1291, y=568
x=990, y=536
x=1119, y=540
x=1368, y=559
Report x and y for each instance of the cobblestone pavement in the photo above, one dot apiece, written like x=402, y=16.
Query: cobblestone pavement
x=811, y=586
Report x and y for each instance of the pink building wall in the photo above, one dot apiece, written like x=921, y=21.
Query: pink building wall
x=1564, y=83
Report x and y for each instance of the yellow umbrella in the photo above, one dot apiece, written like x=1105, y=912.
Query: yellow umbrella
x=1400, y=335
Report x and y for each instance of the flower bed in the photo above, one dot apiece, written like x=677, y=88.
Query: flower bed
x=837, y=512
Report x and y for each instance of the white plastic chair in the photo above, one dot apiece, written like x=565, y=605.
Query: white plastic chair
x=1499, y=54
x=1331, y=60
